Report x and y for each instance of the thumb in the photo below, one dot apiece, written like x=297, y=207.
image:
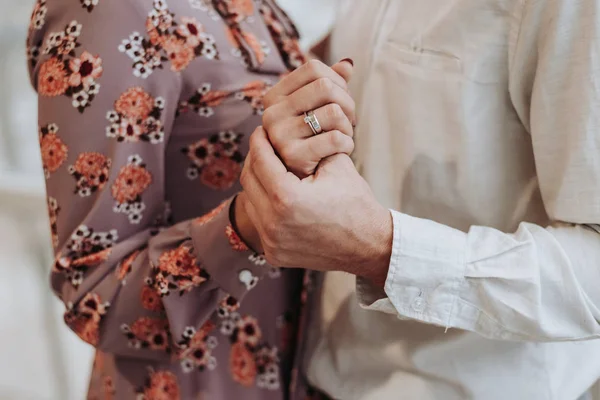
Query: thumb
x=344, y=68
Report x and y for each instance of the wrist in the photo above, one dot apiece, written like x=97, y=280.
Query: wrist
x=243, y=225
x=382, y=235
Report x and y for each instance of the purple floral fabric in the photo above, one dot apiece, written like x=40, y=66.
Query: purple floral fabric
x=145, y=108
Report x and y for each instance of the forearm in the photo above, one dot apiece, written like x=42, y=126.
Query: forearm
x=535, y=284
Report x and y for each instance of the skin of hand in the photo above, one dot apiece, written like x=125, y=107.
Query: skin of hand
x=329, y=221
x=314, y=86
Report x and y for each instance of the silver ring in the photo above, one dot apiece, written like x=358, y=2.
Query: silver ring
x=311, y=120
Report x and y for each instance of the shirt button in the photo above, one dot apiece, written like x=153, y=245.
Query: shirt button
x=419, y=305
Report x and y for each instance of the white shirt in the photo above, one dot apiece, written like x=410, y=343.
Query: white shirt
x=479, y=122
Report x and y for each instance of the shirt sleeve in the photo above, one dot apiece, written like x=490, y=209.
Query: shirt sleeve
x=538, y=283
x=132, y=285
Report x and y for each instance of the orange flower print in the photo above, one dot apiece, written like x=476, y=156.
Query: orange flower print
x=248, y=331
x=177, y=269
x=228, y=305
x=90, y=172
x=136, y=117
x=132, y=181
x=161, y=385
x=92, y=260
x=53, y=149
x=191, y=30
x=259, y=49
x=167, y=40
x=64, y=73
x=204, y=101
x=196, y=348
x=135, y=103
x=285, y=39
x=216, y=160
x=179, y=53
x=254, y=93
x=151, y=300
x=84, y=318
x=210, y=215
x=124, y=267
x=235, y=241
x=149, y=333
x=221, y=174
x=53, y=210
x=84, y=70
x=242, y=365
x=52, y=78
x=85, y=249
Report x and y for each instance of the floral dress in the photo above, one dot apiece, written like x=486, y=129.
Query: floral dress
x=145, y=109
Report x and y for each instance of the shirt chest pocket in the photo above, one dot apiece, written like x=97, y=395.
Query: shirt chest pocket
x=462, y=38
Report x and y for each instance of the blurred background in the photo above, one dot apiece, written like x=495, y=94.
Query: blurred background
x=41, y=359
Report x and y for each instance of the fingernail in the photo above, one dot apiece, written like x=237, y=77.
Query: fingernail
x=348, y=60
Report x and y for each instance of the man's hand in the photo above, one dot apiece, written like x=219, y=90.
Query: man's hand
x=328, y=221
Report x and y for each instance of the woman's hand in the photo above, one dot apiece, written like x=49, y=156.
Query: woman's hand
x=312, y=87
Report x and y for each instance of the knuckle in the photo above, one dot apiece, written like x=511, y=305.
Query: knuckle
x=325, y=85
x=337, y=139
x=334, y=112
x=315, y=66
x=268, y=118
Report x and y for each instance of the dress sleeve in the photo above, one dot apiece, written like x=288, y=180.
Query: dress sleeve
x=132, y=286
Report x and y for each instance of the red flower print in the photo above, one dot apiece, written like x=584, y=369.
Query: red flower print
x=135, y=103
x=161, y=385
x=124, y=267
x=242, y=364
x=91, y=173
x=151, y=300
x=52, y=78
x=84, y=319
x=53, y=149
x=84, y=70
x=235, y=241
x=248, y=331
x=131, y=183
x=149, y=333
x=179, y=53
x=221, y=174
x=210, y=215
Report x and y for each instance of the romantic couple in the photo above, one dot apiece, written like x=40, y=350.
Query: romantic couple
x=210, y=191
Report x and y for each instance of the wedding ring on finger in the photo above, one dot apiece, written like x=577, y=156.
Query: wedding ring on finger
x=311, y=120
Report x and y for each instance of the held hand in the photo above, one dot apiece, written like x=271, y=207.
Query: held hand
x=329, y=221
x=312, y=87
